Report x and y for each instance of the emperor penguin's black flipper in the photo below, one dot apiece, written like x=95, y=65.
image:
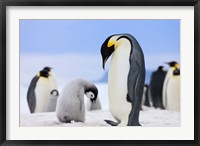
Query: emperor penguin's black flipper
x=134, y=94
x=31, y=99
x=112, y=123
x=136, y=78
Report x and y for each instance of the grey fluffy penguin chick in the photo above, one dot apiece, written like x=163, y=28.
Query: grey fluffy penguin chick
x=71, y=106
x=52, y=101
x=93, y=105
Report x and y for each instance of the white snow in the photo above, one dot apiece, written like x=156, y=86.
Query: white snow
x=149, y=117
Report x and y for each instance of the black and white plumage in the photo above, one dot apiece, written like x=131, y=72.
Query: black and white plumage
x=93, y=105
x=52, y=101
x=173, y=65
x=156, y=86
x=71, y=106
x=39, y=90
x=126, y=78
x=173, y=92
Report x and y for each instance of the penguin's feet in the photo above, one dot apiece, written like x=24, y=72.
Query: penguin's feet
x=135, y=124
x=66, y=120
x=112, y=123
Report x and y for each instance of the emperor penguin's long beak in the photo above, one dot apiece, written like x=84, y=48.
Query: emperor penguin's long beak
x=107, y=49
x=104, y=62
x=105, y=53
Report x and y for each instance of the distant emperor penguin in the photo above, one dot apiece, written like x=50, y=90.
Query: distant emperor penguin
x=52, y=101
x=173, y=65
x=126, y=78
x=173, y=92
x=71, y=106
x=145, y=97
x=39, y=90
x=156, y=86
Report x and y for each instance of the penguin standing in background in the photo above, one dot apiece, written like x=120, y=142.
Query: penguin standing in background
x=156, y=86
x=39, y=90
x=172, y=66
x=144, y=95
x=93, y=105
x=126, y=78
x=52, y=101
x=146, y=100
x=71, y=106
x=173, y=92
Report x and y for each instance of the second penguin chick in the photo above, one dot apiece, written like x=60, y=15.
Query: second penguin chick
x=70, y=106
x=52, y=101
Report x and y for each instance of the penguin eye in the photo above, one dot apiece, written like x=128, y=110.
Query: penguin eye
x=92, y=95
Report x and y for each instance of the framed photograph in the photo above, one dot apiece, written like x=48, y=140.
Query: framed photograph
x=99, y=72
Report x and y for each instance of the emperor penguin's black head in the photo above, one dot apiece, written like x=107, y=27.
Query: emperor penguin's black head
x=111, y=43
x=161, y=68
x=48, y=69
x=92, y=93
x=54, y=92
x=43, y=73
x=173, y=64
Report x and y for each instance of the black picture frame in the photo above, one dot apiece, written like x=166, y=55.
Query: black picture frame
x=5, y=3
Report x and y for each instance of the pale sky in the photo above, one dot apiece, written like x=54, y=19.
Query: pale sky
x=159, y=39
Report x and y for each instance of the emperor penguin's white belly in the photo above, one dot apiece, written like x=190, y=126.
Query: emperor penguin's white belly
x=117, y=85
x=173, y=94
x=42, y=92
x=164, y=91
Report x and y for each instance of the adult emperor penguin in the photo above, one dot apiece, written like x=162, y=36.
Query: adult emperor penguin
x=126, y=78
x=173, y=65
x=52, y=101
x=156, y=86
x=71, y=106
x=173, y=92
x=93, y=105
x=39, y=90
x=145, y=97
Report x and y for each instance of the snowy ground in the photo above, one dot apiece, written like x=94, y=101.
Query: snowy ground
x=149, y=117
